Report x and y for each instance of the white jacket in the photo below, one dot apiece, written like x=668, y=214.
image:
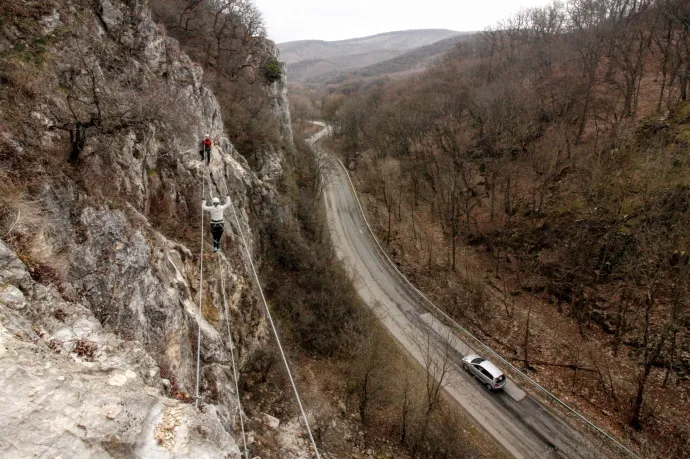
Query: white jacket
x=216, y=211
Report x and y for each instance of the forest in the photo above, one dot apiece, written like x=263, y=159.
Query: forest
x=536, y=183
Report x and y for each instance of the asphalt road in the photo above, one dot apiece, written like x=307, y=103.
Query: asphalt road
x=518, y=422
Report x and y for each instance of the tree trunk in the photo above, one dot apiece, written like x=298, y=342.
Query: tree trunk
x=583, y=121
x=635, y=421
x=506, y=204
x=77, y=141
x=431, y=251
x=684, y=76
x=493, y=197
x=664, y=67
x=454, y=249
x=405, y=413
x=671, y=358
x=620, y=324
x=400, y=195
x=388, y=236
x=575, y=366
x=364, y=399
x=526, y=343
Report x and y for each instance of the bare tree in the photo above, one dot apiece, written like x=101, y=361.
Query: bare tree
x=388, y=179
x=96, y=103
x=368, y=377
x=663, y=300
x=437, y=360
x=227, y=36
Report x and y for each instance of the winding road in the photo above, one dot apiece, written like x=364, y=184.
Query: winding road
x=519, y=423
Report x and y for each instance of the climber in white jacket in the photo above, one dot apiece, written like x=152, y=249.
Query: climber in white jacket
x=216, y=211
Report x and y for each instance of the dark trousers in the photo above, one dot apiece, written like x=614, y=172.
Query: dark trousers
x=217, y=232
x=205, y=153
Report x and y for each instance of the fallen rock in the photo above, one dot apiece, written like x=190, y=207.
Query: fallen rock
x=11, y=296
x=270, y=421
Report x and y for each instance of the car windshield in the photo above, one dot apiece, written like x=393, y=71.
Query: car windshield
x=478, y=360
x=500, y=378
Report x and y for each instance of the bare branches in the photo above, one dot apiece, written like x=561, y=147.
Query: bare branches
x=96, y=104
x=227, y=36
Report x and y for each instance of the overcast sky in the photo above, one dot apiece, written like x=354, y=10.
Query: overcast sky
x=289, y=20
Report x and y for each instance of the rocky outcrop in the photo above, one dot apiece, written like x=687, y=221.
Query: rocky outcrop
x=69, y=387
x=279, y=98
x=99, y=324
x=126, y=224
x=268, y=162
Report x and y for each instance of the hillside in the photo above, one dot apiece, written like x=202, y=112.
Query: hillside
x=311, y=59
x=122, y=333
x=414, y=61
x=317, y=70
x=536, y=185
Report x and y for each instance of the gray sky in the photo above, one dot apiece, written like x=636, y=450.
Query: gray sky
x=289, y=20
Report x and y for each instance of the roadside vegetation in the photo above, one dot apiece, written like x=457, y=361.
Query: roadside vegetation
x=536, y=184
x=352, y=370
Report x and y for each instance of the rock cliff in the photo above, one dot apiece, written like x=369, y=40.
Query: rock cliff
x=99, y=268
x=71, y=388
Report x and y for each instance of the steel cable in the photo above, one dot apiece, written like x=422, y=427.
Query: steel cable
x=201, y=293
x=232, y=356
x=270, y=319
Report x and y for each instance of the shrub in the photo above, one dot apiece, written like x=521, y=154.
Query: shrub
x=272, y=70
x=310, y=289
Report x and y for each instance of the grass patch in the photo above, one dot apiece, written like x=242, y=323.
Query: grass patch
x=31, y=52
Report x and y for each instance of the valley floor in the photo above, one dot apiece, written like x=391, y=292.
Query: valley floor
x=577, y=365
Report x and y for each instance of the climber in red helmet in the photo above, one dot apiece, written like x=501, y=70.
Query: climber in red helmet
x=206, y=147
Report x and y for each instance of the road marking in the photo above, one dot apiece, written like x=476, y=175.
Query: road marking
x=446, y=333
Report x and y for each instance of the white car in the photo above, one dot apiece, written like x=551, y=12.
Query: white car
x=485, y=371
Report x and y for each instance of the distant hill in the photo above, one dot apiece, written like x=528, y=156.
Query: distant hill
x=315, y=70
x=316, y=60
x=413, y=61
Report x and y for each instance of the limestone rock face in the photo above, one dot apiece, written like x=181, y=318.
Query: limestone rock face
x=270, y=421
x=124, y=229
x=279, y=98
x=98, y=329
x=110, y=15
x=61, y=408
x=12, y=270
x=268, y=162
x=71, y=388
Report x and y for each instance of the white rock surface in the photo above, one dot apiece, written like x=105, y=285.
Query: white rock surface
x=53, y=406
x=74, y=390
x=270, y=421
x=11, y=296
x=88, y=356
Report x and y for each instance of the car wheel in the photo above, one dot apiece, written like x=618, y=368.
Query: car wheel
x=488, y=386
x=465, y=367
